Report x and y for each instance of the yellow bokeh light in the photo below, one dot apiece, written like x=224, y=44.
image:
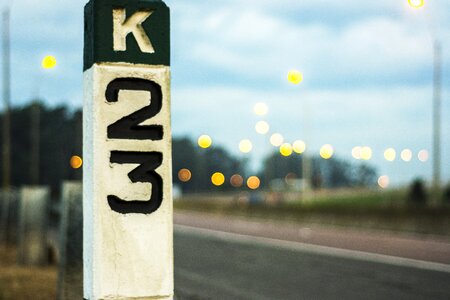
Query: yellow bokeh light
x=204, y=141
x=260, y=109
x=262, y=127
x=286, y=149
x=49, y=62
x=295, y=76
x=366, y=153
x=423, y=155
x=416, y=3
x=217, y=179
x=389, y=154
x=299, y=146
x=406, y=155
x=184, y=175
x=245, y=146
x=236, y=180
x=76, y=162
x=356, y=152
x=276, y=139
x=383, y=181
x=253, y=182
x=326, y=151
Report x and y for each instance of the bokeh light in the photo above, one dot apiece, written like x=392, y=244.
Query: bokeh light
x=76, y=162
x=416, y=3
x=406, y=155
x=299, y=146
x=184, y=175
x=389, y=154
x=295, y=76
x=356, y=152
x=253, y=182
x=217, y=179
x=236, y=180
x=276, y=139
x=366, y=153
x=260, y=109
x=48, y=62
x=204, y=141
x=245, y=146
x=383, y=181
x=262, y=127
x=326, y=151
x=286, y=149
x=423, y=155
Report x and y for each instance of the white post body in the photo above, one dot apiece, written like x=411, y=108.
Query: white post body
x=125, y=254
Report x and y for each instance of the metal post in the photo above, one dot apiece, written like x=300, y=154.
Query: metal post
x=437, y=121
x=6, y=100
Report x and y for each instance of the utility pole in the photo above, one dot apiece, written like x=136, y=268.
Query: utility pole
x=35, y=141
x=6, y=151
x=437, y=53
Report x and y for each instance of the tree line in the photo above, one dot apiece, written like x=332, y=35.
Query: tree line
x=44, y=138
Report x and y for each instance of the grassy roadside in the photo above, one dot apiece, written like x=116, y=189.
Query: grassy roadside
x=18, y=282
x=368, y=210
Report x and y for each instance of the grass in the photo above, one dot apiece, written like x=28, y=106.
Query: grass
x=22, y=283
x=362, y=209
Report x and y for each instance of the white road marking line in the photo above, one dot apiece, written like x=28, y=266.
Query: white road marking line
x=316, y=249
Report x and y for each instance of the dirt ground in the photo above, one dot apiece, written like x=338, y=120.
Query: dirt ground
x=24, y=283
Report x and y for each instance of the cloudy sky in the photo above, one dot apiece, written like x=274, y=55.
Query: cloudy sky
x=367, y=69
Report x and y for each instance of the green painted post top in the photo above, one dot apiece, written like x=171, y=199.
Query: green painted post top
x=129, y=31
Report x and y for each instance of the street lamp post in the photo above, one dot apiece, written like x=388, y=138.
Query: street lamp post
x=296, y=77
x=48, y=62
x=437, y=119
x=436, y=110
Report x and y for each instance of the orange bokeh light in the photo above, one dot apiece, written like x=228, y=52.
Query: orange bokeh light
x=253, y=182
x=76, y=162
x=236, y=180
x=184, y=175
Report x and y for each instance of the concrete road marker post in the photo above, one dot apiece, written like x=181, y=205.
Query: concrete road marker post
x=70, y=273
x=32, y=233
x=127, y=181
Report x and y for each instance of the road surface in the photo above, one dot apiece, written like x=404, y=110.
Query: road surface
x=213, y=264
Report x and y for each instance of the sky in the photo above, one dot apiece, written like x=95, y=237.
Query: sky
x=367, y=67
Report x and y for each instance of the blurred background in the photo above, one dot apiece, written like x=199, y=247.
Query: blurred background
x=370, y=77
x=314, y=112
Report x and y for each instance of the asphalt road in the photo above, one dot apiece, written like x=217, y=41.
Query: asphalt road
x=215, y=265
